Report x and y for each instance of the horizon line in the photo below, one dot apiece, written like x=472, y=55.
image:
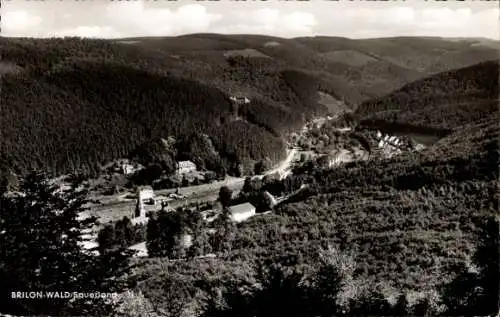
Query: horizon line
x=49, y=36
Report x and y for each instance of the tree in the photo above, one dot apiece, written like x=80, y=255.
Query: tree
x=402, y=306
x=225, y=196
x=260, y=167
x=106, y=238
x=147, y=175
x=223, y=237
x=39, y=250
x=124, y=232
x=247, y=185
x=477, y=293
x=165, y=231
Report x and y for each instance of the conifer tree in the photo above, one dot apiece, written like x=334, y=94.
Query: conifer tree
x=40, y=251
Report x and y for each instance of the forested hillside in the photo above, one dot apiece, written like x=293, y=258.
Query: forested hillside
x=73, y=104
x=405, y=235
x=444, y=101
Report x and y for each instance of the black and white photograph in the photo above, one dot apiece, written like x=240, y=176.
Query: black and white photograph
x=250, y=158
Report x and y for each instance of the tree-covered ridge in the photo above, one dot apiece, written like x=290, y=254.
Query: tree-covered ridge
x=100, y=100
x=92, y=112
x=444, y=101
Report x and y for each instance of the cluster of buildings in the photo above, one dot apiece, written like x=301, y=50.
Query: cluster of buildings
x=388, y=140
x=146, y=201
x=127, y=168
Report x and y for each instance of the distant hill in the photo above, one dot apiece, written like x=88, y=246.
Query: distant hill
x=77, y=103
x=378, y=66
x=356, y=70
x=443, y=101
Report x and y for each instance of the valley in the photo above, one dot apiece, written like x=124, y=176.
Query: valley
x=249, y=175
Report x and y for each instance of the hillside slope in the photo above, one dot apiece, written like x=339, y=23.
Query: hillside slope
x=409, y=225
x=443, y=101
x=91, y=113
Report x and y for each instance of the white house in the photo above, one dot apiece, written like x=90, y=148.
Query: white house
x=127, y=168
x=185, y=167
x=240, y=100
x=89, y=247
x=140, y=220
x=140, y=249
x=185, y=240
x=379, y=135
x=145, y=195
x=242, y=212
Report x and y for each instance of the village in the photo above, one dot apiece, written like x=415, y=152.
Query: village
x=320, y=142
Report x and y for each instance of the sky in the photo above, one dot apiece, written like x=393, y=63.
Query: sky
x=353, y=19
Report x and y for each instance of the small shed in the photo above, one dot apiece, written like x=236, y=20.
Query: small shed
x=242, y=212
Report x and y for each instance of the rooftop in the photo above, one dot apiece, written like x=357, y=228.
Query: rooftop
x=186, y=164
x=241, y=208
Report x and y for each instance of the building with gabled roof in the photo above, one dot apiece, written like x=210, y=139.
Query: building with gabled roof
x=185, y=167
x=241, y=212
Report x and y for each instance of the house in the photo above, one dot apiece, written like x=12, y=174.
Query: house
x=140, y=220
x=89, y=247
x=379, y=135
x=127, y=169
x=185, y=240
x=13, y=194
x=185, y=167
x=145, y=195
x=140, y=249
x=239, y=100
x=334, y=161
x=241, y=212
